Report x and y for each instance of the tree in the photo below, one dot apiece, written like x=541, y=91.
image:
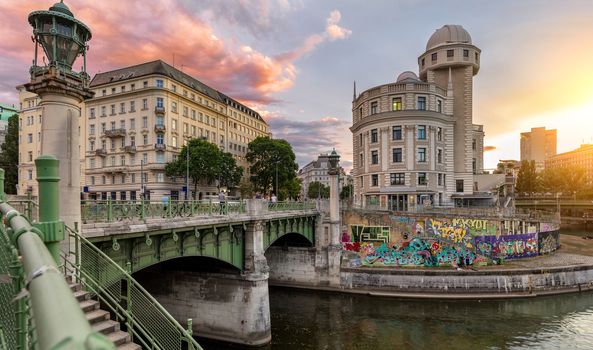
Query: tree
x=290, y=189
x=346, y=192
x=271, y=159
x=527, y=179
x=9, y=157
x=567, y=179
x=318, y=190
x=207, y=164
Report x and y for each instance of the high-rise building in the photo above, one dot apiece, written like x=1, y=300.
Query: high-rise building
x=538, y=145
x=414, y=140
x=581, y=157
x=140, y=118
x=316, y=171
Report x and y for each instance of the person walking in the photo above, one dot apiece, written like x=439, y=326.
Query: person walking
x=221, y=201
x=274, y=198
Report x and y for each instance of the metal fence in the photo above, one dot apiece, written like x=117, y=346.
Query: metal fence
x=291, y=205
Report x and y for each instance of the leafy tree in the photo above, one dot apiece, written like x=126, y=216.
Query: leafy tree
x=290, y=189
x=245, y=188
x=270, y=158
x=346, y=192
x=9, y=157
x=566, y=179
x=527, y=179
x=317, y=190
x=207, y=163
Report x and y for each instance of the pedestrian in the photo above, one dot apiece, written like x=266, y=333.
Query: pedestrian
x=221, y=201
x=274, y=198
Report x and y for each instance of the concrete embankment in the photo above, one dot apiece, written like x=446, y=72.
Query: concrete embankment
x=554, y=274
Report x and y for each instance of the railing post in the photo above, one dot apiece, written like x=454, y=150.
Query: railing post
x=210, y=201
x=49, y=204
x=190, y=332
x=169, y=207
x=29, y=207
x=129, y=299
x=143, y=210
x=109, y=210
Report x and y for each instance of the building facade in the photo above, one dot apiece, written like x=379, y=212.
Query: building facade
x=581, y=157
x=140, y=118
x=316, y=171
x=538, y=145
x=414, y=140
x=6, y=111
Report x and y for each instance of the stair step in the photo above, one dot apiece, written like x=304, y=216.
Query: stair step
x=119, y=337
x=106, y=327
x=82, y=295
x=97, y=316
x=89, y=305
x=129, y=346
x=75, y=287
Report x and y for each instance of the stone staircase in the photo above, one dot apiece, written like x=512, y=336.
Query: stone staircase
x=100, y=320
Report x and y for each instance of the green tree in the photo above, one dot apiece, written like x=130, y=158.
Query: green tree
x=346, y=192
x=567, y=179
x=271, y=159
x=290, y=189
x=527, y=179
x=207, y=163
x=9, y=157
x=318, y=190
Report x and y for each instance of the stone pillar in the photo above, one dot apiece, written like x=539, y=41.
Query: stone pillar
x=334, y=210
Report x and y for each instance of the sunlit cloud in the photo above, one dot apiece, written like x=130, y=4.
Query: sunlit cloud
x=489, y=148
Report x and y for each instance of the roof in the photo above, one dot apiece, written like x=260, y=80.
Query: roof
x=448, y=34
x=7, y=111
x=160, y=67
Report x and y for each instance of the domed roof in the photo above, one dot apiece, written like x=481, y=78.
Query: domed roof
x=62, y=8
x=407, y=75
x=447, y=34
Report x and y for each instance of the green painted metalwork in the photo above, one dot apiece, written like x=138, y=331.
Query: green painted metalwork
x=145, y=319
x=49, y=205
x=94, y=211
x=291, y=205
x=303, y=225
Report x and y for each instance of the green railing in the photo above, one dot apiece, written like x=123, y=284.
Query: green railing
x=39, y=311
x=144, y=318
x=291, y=205
x=140, y=210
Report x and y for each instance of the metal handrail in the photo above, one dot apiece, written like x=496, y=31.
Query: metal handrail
x=291, y=205
x=104, y=277
x=59, y=322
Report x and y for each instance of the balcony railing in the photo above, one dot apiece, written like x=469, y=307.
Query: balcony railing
x=100, y=152
x=159, y=110
x=160, y=128
x=160, y=147
x=115, y=132
x=130, y=149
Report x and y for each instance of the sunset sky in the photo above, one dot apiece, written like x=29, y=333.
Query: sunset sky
x=295, y=61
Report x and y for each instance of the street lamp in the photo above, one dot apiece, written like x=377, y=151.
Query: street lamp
x=187, y=171
x=334, y=201
x=334, y=159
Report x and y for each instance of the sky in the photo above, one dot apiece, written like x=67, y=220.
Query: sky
x=295, y=61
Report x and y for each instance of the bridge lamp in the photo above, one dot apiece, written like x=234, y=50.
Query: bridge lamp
x=62, y=37
x=334, y=159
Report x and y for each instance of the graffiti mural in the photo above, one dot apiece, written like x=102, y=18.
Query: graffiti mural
x=370, y=233
x=548, y=227
x=507, y=247
x=447, y=231
x=548, y=241
x=477, y=226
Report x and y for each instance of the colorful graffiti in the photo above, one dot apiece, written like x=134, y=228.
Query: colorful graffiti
x=548, y=227
x=370, y=233
x=448, y=232
x=507, y=247
x=548, y=241
x=476, y=226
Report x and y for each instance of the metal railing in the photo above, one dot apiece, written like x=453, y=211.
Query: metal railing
x=94, y=211
x=291, y=205
x=145, y=319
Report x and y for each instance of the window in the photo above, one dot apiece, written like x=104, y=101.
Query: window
x=113, y=161
x=30, y=174
x=421, y=132
x=160, y=158
x=145, y=122
x=145, y=139
x=465, y=53
x=113, y=125
x=193, y=114
x=159, y=102
x=133, y=124
x=145, y=158
x=193, y=130
x=112, y=110
x=433, y=57
x=159, y=139
x=174, y=124
x=421, y=103
x=476, y=55
x=104, y=92
x=439, y=134
x=374, y=107
x=103, y=111
x=422, y=181
x=133, y=87
x=440, y=179
x=397, y=155
x=185, y=111
x=360, y=112
x=160, y=177
x=174, y=141
x=159, y=83
x=132, y=106
x=122, y=160
x=91, y=145
x=440, y=156
x=396, y=104
x=122, y=124
x=374, y=157
x=132, y=140
x=113, y=90
x=92, y=112
x=360, y=139
x=422, y=62
x=30, y=156
x=474, y=144
x=458, y=185
x=144, y=103
x=450, y=53
x=361, y=157
x=396, y=132
x=92, y=129
x=474, y=165
x=421, y=155
x=375, y=180
x=374, y=136
x=397, y=179
x=103, y=127
x=92, y=180
x=174, y=88
x=123, y=88
x=439, y=106
x=29, y=138
x=174, y=107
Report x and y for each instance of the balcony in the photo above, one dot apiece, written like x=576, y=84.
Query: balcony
x=115, y=169
x=159, y=110
x=160, y=128
x=100, y=152
x=160, y=147
x=130, y=149
x=115, y=132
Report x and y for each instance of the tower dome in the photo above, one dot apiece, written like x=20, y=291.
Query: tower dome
x=407, y=75
x=448, y=34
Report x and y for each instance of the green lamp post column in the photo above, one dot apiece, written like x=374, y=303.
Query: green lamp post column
x=49, y=204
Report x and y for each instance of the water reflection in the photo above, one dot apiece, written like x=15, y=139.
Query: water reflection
x=312, y=320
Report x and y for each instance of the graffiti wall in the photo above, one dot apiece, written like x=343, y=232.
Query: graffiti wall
x=507, y=247
x=548, y=241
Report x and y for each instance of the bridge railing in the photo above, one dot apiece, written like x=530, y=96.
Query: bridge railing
x=38, y=311
x=291, y=205
x=141, y=210
x=145, y=319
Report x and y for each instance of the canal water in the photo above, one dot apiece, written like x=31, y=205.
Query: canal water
x=304, y=319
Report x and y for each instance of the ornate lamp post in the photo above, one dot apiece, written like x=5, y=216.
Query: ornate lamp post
x=334, y=201
x=61, y=90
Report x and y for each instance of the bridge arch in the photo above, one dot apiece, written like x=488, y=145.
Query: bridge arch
x=291, y=239
x=275, y=229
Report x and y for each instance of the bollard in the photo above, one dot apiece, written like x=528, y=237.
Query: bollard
x=49, y=204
